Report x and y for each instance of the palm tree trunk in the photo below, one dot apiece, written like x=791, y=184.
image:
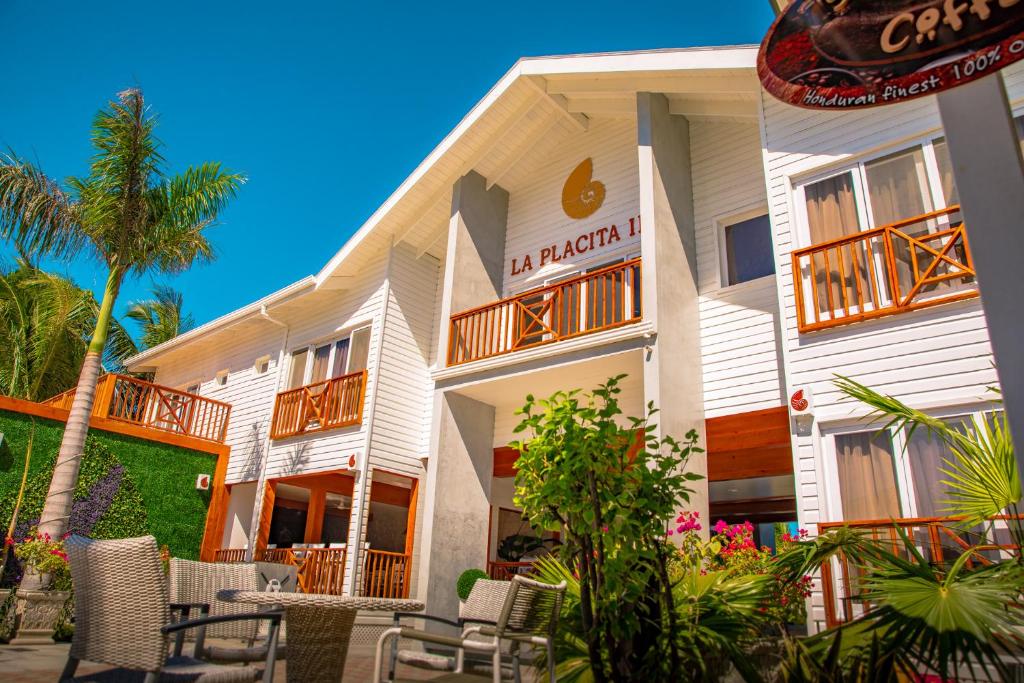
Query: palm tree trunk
x=59, y=497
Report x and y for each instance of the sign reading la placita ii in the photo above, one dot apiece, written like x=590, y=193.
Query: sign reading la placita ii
x=848, y=54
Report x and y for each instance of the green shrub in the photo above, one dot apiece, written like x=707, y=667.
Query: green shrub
x=466, y=581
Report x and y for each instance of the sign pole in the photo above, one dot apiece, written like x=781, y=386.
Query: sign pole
x=989, y=172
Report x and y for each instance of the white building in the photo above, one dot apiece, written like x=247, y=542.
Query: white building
x=372, y=403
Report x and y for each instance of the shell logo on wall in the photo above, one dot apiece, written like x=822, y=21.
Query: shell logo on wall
x=581, y=194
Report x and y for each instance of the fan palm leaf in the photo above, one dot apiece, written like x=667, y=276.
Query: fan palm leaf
x=982, y=478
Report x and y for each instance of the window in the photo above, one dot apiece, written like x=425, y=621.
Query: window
x=320, y=362
x=891, y=473
x=748, y=250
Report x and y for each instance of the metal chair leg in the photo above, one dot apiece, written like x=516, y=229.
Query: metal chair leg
x=69, y=669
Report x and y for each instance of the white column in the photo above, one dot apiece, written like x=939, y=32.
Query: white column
x=989, y=174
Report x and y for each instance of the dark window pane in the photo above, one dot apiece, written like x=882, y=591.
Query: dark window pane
x=748, y=246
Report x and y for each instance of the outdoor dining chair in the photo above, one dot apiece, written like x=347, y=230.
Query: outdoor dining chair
x=528, y=615
x=123, y=617
x=196, y=584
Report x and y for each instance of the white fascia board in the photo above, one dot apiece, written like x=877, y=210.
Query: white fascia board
x=238, y=315
x=708, y=58
x=687, y=59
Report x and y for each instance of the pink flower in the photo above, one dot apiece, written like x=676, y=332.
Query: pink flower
x=720, y=526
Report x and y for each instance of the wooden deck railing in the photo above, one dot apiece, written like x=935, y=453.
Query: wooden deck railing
x=316, y=407
x=320, y=570
x=940, y=539
x=504, y=571
x=915, y=263
x=596, y=301
x=229, y=555
x=135, y=401
x=386, y=574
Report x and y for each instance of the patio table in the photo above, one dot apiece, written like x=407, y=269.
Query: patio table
x=318, y=627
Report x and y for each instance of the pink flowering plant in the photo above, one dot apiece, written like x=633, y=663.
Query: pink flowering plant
x=731, y=549
x=45, y=555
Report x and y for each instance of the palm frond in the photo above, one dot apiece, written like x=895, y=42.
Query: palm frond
x=35, y=212
x=983, y=479
x=160, y=318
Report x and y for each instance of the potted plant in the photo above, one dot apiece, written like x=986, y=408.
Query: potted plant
x=38, y=612
x=465, y=584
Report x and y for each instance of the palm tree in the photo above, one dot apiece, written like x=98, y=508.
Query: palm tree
x=132, y=217
x=160, y=318
x=45, y=323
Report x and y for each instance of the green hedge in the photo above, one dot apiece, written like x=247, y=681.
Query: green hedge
x=156, y=492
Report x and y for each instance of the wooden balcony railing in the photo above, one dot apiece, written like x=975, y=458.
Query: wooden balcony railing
x=317, y=407
x=229, y=555
x=504, y=571
x=320, y=570
x=940, y=539
x=915, y=263
x=599, y=300
x=386, y=574
x=142, y=403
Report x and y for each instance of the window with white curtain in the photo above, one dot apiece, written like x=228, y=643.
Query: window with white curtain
x=319, y=362
x=890, y=473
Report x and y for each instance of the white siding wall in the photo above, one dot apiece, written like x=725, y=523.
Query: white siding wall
x=404, y=391
x=250, y=394
x=931, y=358
x=739, y=348
x=337, y=314
x=535, y=216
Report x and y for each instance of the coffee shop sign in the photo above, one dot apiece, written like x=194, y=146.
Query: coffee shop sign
x=584, y=242
x=844, y=54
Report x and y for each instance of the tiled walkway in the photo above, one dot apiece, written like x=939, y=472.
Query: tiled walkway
x=44, y=663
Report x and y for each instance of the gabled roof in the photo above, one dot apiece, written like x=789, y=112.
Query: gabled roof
x=705, y=81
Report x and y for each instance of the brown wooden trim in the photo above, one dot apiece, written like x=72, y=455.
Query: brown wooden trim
x=410, y=520
x=755, y=506
x=505, y=461
x=769, y=461
x=315, y=516
x=217, y=512
x=266, y=514
x=389, y=494
x=752, y=444
x=334, y=481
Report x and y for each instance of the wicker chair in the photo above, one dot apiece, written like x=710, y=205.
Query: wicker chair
x=123, y=618
x=196, y=584
x=528, y=615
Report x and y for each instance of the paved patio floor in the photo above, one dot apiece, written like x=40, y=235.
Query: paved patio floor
x=44, y=663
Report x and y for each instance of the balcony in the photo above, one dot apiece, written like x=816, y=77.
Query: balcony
x=331, y=404
x=596, y=301
x=940, y=540
x=916, y=263
x=144, y=404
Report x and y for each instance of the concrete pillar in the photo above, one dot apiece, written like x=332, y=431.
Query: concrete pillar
x=475, y=263
x=456, y=507
x=457, y=491
x=672, y=364
x=989, y=174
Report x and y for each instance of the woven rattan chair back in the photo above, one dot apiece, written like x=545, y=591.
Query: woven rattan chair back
x=485, y=601
x=198, y=582
x=120, y=602
x=531, y=607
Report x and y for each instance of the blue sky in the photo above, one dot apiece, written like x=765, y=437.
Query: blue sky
x=326, y=107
